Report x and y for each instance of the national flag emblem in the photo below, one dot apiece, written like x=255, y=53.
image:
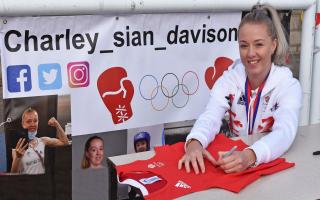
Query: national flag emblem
x=181, y=184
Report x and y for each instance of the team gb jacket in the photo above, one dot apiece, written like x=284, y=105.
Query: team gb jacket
x=277, y=113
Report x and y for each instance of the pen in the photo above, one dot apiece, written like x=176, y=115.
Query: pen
x=316, y=153
x=229, y=152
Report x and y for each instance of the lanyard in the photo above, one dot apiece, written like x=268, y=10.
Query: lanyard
x=255, y=104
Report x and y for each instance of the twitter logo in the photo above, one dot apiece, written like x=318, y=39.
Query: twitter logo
x=49, y=76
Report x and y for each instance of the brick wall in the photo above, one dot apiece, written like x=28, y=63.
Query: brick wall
x=295, y=40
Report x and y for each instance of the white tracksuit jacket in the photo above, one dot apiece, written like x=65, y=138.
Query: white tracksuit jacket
x=278, y=111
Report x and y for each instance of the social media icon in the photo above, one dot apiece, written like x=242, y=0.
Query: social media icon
x=49, y=76
x=19, y=78
x=78, y=74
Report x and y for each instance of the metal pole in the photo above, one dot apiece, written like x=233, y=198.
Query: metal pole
x=81, y=7
x=306, y=61
x=315, y=95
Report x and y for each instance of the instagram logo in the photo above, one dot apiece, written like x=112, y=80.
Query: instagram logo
x=78, y=74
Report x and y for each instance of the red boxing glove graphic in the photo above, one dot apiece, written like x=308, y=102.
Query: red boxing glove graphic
x=116, y=92
x=213, y=73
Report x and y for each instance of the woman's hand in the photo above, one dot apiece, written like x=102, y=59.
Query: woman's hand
x=61, y=136
x=52, y=122
x=238, y=161
x=194, y=155
x=20, y=148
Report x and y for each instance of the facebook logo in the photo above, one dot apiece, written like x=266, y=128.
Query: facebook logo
x=49, y=76
x=19, y=78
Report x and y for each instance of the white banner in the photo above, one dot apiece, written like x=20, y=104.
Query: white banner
x=161, y=70
x=122, y=71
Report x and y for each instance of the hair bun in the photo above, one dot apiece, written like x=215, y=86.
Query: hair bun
x=260, y=9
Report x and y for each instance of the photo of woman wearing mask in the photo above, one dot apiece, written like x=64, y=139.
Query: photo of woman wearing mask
x=28, y=156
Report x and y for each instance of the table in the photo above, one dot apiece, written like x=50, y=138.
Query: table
x=300, y=182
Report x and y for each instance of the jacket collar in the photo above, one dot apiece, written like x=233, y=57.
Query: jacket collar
x=276, y=76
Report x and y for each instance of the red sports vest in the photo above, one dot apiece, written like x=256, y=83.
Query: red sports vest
x=159, y=177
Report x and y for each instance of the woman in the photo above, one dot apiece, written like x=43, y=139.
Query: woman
x=260, y=95
x=93, y=153
x=28, y=156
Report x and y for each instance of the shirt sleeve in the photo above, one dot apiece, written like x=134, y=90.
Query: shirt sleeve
x=209, y=122
x=286, y=119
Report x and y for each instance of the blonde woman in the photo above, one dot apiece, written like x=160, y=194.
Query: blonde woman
x=28, y=156
x=260, y=94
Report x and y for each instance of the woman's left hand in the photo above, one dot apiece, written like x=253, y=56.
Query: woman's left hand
x=237, y=161
x=52, y=122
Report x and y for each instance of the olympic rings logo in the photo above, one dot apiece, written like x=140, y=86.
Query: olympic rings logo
x=170, y=88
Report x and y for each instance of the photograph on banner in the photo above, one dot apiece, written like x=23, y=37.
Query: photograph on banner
x=90, y=170
x=36, y=143
x=145, y=138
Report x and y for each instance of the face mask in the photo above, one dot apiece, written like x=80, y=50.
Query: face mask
x=32, y=135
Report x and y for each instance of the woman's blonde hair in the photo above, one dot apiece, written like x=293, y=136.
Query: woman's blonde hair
x=28, y=111
x=266, y=14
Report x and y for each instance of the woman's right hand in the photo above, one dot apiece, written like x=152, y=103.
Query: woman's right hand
x=194, y=155
x=20, y=148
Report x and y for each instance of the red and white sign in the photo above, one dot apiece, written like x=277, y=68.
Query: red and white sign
x=160, y=69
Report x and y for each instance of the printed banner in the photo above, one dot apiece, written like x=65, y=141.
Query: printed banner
x=122, y=71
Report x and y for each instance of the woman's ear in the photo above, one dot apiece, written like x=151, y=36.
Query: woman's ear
x=22, y=124
x=274, y=46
